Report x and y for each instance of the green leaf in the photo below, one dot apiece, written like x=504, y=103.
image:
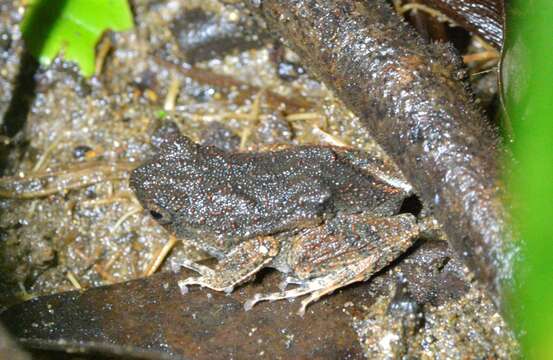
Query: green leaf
x=72, y=26
x=527, y=77
x=161, y=114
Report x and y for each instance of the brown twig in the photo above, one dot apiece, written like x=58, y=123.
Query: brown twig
x=220, y=81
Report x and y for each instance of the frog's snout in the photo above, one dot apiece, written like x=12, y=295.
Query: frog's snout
x=138, y=182
x=143, y=182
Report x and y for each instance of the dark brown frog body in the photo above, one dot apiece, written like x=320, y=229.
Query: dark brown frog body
x=326, y=216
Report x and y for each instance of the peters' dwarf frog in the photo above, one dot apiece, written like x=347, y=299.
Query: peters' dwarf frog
x=324, y=216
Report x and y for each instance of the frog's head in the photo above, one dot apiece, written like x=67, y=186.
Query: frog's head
x=158, y=182
x=148, y=185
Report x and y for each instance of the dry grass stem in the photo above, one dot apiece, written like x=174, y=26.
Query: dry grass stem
x=125, y=197
x=172, y=94
x=73, y=280
x=46, y=154
x=160, y=256
x=328, y=138
x=44, y=184
x=304, y=116
x=107, y=266
x=125, y=216
x=482, y=56
x=254, y=113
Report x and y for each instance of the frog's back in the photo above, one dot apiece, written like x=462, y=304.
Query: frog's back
x=219, y=199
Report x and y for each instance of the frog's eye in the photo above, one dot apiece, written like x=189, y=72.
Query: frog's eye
x=156, y=215
x=161, y=216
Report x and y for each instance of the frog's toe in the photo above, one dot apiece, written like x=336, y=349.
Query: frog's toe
x=319, y=286
x=301, y=311
x=290, y=280
x=190, y=281
x=183, y=284
x=248, y=305
x=285, y=294
x=314, y=296
x=213, y=283
x=183, y=288
x=200, y=269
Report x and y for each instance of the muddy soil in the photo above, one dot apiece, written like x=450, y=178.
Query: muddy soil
x=79, y=225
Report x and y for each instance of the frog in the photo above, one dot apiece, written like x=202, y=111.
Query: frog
x=323, y=216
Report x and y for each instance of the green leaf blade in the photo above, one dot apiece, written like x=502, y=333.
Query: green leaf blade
x=74, y=27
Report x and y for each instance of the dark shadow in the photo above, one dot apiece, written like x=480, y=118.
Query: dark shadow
x=411, y=205
x=40, y=23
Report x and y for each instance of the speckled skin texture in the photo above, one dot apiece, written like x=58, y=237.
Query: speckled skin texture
x=201, y=192
x=412, y=98
x=353, y=237
x=325, y=216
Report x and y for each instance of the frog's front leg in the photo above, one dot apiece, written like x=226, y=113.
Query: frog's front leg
x=238, y=265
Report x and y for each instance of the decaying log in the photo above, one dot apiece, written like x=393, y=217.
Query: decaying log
x=412, y=97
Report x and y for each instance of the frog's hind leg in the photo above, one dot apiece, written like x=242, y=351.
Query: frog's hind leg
x=357, y=272
x=343, y=251
x=239, y=265
x=320, y=286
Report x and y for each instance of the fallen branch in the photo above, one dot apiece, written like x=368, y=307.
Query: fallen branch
x=411, y=96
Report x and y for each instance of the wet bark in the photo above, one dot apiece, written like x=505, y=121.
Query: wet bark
x=412, y=97
x=150, y=318
x=481, y=17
